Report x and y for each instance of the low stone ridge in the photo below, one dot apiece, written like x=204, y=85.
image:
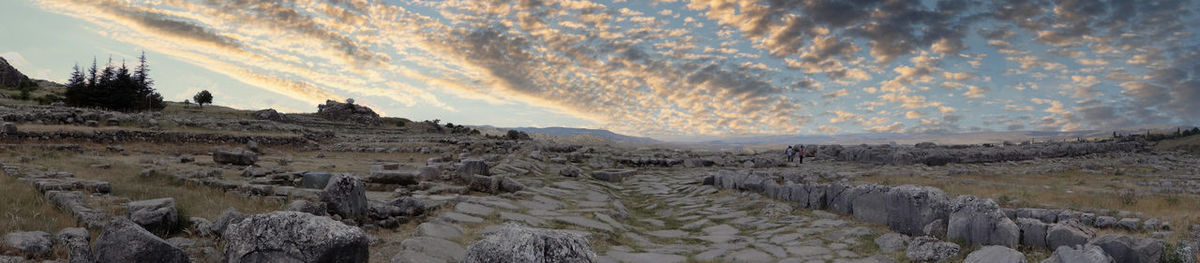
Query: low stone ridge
x=514, y=243
x=381, y=174
x=237, y=156
x=34, y=244
x=337, y=111
x=270, y=115
x=1079, y=254
x=346, y=196
x=123, y=240
x=891, y=242
x=286, y=236
x=928, y=249
x=155, y=215
x=76, y=204
x=941, y=155
x=995, y=254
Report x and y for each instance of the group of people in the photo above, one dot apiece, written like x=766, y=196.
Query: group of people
x=793, y=152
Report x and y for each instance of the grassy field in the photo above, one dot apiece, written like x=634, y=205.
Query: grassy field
x=1189, y=144
x=24, y=209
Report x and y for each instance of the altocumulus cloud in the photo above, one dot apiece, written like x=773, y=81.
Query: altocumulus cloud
x=705, y=66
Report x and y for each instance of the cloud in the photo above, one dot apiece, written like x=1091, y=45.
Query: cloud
x=976, y=92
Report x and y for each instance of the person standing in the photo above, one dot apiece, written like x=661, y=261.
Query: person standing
x=790, y=153
x=800, y=152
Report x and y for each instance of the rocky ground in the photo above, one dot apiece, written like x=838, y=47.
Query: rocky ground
x=343, y=185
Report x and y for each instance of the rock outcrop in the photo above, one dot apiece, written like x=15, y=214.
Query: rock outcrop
x=346, y=196
x=928, y=249
x=237, y=156
x=155, y=215
x=1079, y=254
x=995, y=254
x=287, y=236
x=10, y=77
x=77, y=242
x=337, y=111
x=1127, y=249
x=514, y=243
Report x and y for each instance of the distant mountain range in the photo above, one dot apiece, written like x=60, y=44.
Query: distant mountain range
x=563, y=131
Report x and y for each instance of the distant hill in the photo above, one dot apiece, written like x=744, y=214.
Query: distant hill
x=563, y=131
x=903, y=138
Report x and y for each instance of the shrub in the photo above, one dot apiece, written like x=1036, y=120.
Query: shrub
x=203, y=97
x=516, y=135
x=1128, y=197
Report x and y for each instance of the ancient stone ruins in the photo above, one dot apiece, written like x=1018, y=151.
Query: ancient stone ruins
x=345, y=185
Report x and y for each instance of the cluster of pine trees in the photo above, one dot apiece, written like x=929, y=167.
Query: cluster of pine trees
x=114, y=88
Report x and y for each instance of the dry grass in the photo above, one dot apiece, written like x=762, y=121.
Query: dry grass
x=1070, y=190
x=24, y=209
x=1189, y=144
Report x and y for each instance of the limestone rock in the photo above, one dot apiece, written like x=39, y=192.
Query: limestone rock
x=892, y=242
x=1068, y=233
x=346, y=196
x=473, y=167
x=1127, y=249
x=612, y=175
x=928, y=249
x=995, y=254
x=77, y=242
x=155, y=215
x=514, y=243
x=287, y=236
x=1079, y=254
x=1033, y=232
x=237, y=156
x=978, y=221
x=230, y=216
x=34, y=244
x=570, y=171
x=123, y=240
x=911, y=208
x=305, y=206
x=270, y=115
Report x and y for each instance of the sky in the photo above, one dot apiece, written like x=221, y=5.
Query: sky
x=658, y=68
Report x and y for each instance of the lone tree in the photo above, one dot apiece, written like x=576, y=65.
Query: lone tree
x=114, y=88
x=203, y=97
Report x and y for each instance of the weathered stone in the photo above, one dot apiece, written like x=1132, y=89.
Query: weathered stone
x=123, y=240
x=35, y=244
x=236, y=156
x=1127, y=249
x=1033, y=232
x=911, y=208
x=995, y=254
x=1130, y=224
x=305, y=206
x=612, y=175
x=346, y=196
x=8, y=128
x=379, y=175
x=435, y=247
x=270, y=115
x=928, y=249
x=749, y=255
x=410, y=206
x=514, y=243
x=870, y=203
x=288, y=236
x=1068, y=233
x=155, y=215
x=481, y=183
x=978, y=221
x=570, y=171
x=1079, y=254
x=1105, y=221
x=509, y=185
x=315, y=180
x=472, y=167
x=230, y=216
x=936, y=229
x=891, y=242
x=76, y=240
x=439, y=229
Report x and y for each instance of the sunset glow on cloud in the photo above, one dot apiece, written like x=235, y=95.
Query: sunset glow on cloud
x=673, y=68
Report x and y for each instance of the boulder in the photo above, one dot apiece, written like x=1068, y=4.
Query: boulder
x=1127, y=249
x=508, y=185
x=288, y=236
x=481, y=183
x=77, y=242
x=1068, y=233
x=380, y=175
x=928, y=249
x=937, y=228
x=911, y=208
x=226, y=218
x=1079, y=254
x=337, y=111
x=1129, y=224
x=8, y=128
x=429, y=173
x=612, y=175
x=472, y=167
x=1105, y=221
x=315, y=180
x=410, y=206
x=237, y=156
x=155, y=215
x=1033, y=232
x=570, y=171
x=34, y=244
x=270, y=115
x=305, y=206
x=346, y=196
x=514, y=243
x=995, y=254
x=123, y=240
x=978, y=221
x=892, y=242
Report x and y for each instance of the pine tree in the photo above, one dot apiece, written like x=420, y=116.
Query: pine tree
x=141, y=74
x=92, y=74
x=77, y=87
